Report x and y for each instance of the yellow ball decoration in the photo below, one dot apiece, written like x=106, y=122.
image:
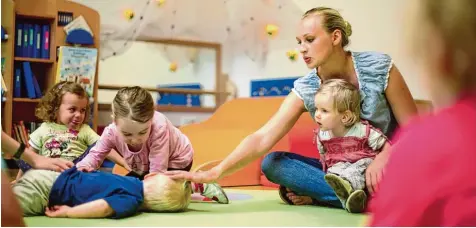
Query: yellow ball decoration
x=129, y=14
x=292, y=55
x=272, y=30
x=160, y=2
x=173, y=67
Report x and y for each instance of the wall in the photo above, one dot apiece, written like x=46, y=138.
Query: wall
x=377, y=26
x=145, y=64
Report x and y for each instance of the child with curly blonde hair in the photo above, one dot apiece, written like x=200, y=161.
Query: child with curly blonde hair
x=147, y=140
x=64, y=133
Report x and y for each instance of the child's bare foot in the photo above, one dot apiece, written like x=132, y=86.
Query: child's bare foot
x=288, y=196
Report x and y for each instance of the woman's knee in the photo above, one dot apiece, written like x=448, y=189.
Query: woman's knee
x=270, y=163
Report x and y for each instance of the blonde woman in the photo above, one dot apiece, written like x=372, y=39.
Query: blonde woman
x=386, y=103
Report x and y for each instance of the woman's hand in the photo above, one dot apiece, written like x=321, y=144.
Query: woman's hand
x=374, y=173
x=198, y=177
x=55, y=164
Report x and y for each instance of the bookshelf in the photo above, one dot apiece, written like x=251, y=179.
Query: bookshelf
x=8, y=23
x=33, y=60
x=39, y=12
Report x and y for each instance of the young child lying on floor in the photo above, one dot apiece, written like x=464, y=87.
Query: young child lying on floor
x=76, y=194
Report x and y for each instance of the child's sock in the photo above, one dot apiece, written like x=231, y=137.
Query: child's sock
x=341, y=187
x=211, y=191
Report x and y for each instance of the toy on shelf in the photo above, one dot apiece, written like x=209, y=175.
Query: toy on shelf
x=4, y=34
x=64, y=18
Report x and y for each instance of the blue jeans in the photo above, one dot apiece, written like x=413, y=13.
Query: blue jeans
x=303, y=175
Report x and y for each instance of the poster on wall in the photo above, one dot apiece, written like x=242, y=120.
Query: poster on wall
x=272, y=87
x=77, y=64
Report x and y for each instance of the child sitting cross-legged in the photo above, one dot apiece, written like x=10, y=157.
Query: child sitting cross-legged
x=347, y=145
x=76, y=194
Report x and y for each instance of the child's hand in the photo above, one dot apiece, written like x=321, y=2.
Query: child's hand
x=86, y=169
x=127, y=167
x=58, y=211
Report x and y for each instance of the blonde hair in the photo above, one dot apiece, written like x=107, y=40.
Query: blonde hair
x=455, y=22
x=135, y=103
x=345, y=97
x=162, y=194
x=332, y=20
x=47, y=109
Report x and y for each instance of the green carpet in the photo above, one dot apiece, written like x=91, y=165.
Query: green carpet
x=264, y=209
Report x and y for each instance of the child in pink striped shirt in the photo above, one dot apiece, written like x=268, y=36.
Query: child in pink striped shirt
x=147, y=140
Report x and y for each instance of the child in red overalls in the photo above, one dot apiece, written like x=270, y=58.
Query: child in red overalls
x=346, y=144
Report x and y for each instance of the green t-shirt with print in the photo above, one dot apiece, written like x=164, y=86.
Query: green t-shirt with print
x=57, y=141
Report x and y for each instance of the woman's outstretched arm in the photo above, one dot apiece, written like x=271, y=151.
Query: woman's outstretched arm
x=254, y=145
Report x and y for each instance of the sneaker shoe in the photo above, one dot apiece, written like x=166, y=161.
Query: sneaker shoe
x=341, y=187
x=213, y=191
x=356, y=202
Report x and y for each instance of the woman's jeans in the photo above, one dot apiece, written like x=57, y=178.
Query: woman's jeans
x=303, y=175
